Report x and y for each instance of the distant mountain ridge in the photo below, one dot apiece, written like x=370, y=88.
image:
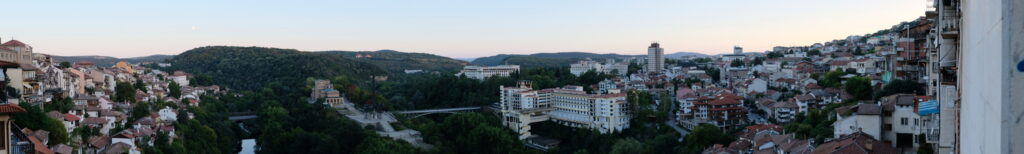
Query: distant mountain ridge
x=110, y=61
x=249, y=68
x=557, y=59
x=682, y=54
x=561, y=59
x=397, y=62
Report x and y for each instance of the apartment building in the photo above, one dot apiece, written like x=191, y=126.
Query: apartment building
x=724, y=110
x=484, y=72
x=584, y=66
x=569, y=105
x=655, y=58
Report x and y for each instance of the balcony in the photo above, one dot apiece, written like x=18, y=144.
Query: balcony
x=931, y=135
x=949, y=24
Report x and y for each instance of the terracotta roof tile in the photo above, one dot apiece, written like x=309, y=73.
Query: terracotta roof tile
x=14, y=43
x=71, y=117
x=11, y=108
x=98, y=141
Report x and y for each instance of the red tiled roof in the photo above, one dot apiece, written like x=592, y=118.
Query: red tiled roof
x=839, y=62
x=99, y=141
x=812, y=86
x=71, y=117
x=10, y=108
x=724, y=101
x=15, y=43
x=760, y=127
x=94, y=120
x=38, y=145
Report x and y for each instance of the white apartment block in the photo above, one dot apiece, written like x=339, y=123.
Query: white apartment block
x=655, y=58
x=584, y=66
x=588, y=65
x=569, y=105
x=483, y=72
x=990, y=76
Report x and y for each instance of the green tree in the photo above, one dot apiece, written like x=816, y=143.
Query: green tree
x=859, y=87
x=35, y=119
x=664, y=143
x=737, y=63
x=84, y=133
x=124, y=92
x=925, y=147
x=140, y=110
x=714, y=73
x=61, y=104
x=140, y=85
x=813, y=52
x=774, y=54
x=901, y=87
x=814, y=124
x=633, y=68
x=832, y=79
x=757, y=61
x=471, y=133
x=380, y=145
x=175, y=89
x=65, y=64
x=628, y=146
x=704, y=136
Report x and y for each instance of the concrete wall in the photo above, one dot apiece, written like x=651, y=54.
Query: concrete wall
x=993, y=112
x=869, y=124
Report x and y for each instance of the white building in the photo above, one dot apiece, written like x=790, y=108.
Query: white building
x=865, y=118
x=168, y=114
x=611, y=67
x=570, y=106
x=16, y=52
x=483, y=72
x=616, y=68
x=584, y=66
x=655, y=58
x=757, y=85
x=906, y=123
x=180, y=77
x=991, y=75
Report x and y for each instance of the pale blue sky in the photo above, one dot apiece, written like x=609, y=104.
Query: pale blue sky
x=445, y=27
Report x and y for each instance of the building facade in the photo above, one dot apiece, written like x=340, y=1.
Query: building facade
x=483, y=72
x=991, y=76
x=569, y=105
x=16, y=52
x=655, y=58
x=584, y=66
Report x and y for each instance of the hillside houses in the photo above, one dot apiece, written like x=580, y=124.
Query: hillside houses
x=90, y=91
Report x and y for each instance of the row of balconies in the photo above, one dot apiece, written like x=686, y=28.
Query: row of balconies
x=949, y=23
x=909, y=68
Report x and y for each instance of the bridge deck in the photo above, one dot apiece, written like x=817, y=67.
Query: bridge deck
x=245, y=117
x=439, y=110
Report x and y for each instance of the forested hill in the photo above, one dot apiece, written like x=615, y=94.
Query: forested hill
x=559, y=59
x=249, y=68
x=397, y=62
x=105, y=61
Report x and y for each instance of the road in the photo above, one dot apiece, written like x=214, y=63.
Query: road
x=671, y=122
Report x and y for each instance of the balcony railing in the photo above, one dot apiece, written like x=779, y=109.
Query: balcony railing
x=950, y=23
x=932, y=135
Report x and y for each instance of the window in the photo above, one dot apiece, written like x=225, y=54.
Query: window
x=3, y=128
x=903, y=121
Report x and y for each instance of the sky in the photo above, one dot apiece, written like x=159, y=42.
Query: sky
x=452, y=28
